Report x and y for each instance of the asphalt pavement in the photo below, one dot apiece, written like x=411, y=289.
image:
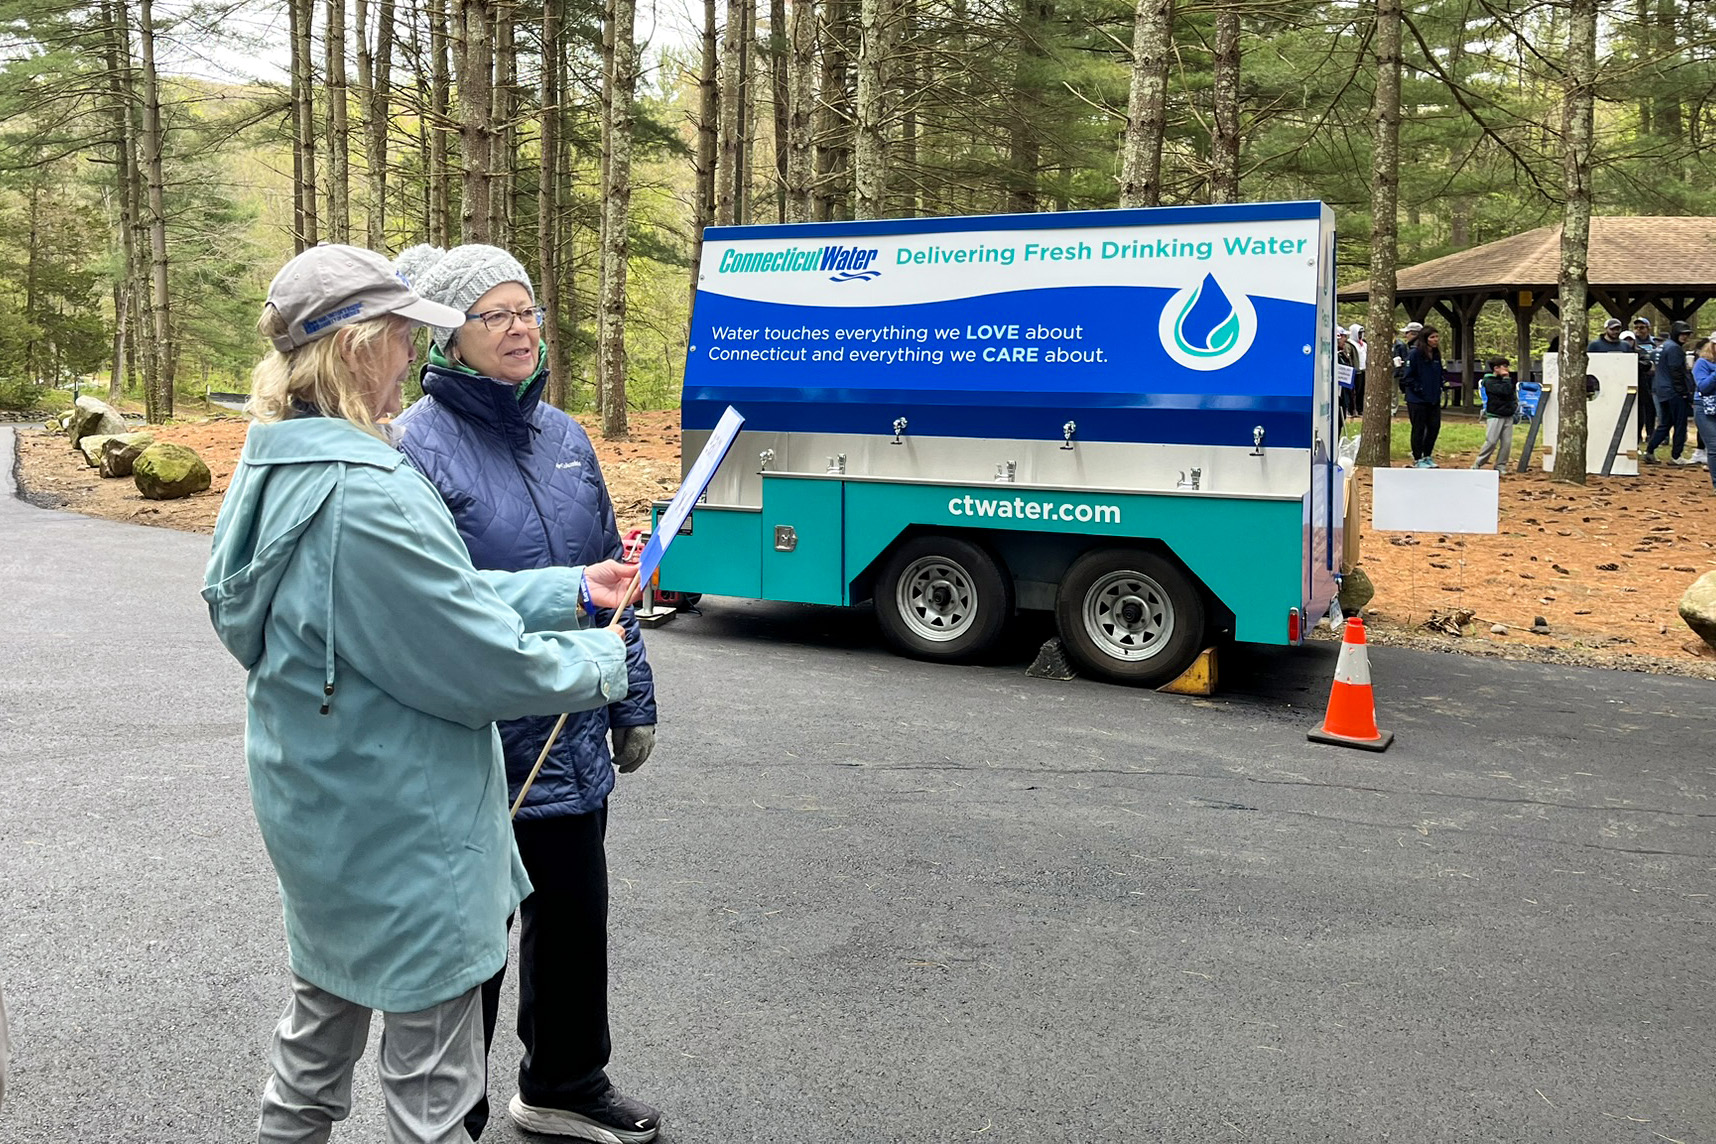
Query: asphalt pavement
x=858, y=898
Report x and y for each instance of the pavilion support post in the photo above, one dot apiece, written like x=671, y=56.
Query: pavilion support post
x=1469, y=311
x=1525, y=304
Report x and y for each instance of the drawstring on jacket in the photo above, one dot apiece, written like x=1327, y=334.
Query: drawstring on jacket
x=333, y=565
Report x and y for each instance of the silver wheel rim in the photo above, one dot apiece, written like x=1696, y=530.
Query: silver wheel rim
x=1128, y=616
x=936, y=598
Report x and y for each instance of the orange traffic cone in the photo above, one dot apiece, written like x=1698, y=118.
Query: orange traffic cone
x=1351, y=721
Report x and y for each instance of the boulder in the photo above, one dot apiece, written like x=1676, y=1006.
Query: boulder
x=1698, y=607
x=119, y=454
x=1356, y=591
x=89, y=416
x=90, y=447
x=165, y=471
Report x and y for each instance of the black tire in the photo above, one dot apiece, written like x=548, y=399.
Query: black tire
x=942, y=598
x=1130, y=616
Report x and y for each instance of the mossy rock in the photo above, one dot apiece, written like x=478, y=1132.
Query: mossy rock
x=164, y=471
x=1356, y=591
x=119, y=454
x=90, y=417
x=90, y=447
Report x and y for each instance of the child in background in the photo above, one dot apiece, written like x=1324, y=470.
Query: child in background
x=1501, y=406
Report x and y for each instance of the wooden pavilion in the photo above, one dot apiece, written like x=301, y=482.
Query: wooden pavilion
x=1664, y=262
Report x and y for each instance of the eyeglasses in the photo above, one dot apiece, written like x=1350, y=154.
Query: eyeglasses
x=497, y=320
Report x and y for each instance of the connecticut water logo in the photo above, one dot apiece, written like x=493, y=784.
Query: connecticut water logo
x=1203, y=327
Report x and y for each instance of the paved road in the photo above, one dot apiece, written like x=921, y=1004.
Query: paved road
x=858, y=898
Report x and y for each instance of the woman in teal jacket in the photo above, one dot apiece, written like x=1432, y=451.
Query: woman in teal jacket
x=378, y=661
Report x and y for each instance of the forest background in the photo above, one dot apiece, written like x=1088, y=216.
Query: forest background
x=159, y=161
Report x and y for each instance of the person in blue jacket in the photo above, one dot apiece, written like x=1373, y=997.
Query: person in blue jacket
x=338, y=581
x=521, y=480
x=1671, y=386
x=1422, y=384
x=1704, y=399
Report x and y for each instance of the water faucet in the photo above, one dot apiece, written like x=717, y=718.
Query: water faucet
x=1067, y=432
x=1257, y=441
x=899, y=428
x=766, y=457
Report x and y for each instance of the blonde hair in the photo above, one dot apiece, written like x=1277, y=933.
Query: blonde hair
x=316, y=374
x=1707, y=351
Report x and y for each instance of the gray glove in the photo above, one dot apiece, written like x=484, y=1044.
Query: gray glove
x=632, y=746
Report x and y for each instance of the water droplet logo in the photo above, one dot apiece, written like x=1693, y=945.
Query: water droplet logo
x=1205, y=328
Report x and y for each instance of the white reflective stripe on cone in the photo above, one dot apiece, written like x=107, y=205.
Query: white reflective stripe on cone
x=1352, y=666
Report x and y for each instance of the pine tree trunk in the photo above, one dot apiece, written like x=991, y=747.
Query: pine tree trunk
x=1384, y=236
x=117, y=44
x=778, y=99
x=159, y=401
x=732, y=98
x=1576, y=135
x=870, y=149
x=302, y=14
x=1224, y=118
x=503, y=135
x=476, y=130
x=1024, y=143
x=375, y=77
x=548, y=200
x=339, y=128
x=801, y=111
x=834, y=133
x=908, y=181
x=622, y=83
x=746, y=181
x=708, y=140
x=440, y=174
x=1147, y=106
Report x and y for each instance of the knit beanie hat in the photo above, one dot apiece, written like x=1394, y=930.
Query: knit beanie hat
x=414, y=260
x=461, y=276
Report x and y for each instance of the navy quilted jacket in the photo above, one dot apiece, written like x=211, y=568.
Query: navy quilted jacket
x=521, y=479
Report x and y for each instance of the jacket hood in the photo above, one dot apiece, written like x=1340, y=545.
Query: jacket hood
x=289, y=471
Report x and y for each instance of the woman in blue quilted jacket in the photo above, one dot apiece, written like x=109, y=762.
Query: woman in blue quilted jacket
x=521, y=480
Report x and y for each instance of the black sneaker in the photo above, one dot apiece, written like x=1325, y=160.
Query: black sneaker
x=611, y=1118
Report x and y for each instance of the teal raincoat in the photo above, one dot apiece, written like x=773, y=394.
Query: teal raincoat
x=379, y=660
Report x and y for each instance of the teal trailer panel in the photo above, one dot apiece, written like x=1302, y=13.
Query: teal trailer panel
x=801, y=539
x=1248, y=552
x=721, y=555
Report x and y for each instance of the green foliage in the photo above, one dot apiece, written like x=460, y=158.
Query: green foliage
x=1008, y=107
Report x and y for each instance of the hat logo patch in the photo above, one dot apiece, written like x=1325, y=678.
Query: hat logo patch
x=323, y=321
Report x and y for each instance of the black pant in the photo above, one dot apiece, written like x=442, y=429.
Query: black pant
x=1426, y=426
x=1647, y=411
x=562, y=965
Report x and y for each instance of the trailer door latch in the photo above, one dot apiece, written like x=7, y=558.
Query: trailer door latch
x=786, y=539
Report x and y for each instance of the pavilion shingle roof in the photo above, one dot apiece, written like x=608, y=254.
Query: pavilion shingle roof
x=1626, y=252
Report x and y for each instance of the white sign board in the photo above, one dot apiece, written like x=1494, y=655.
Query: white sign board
x=1435, y=500
x=1615, y=374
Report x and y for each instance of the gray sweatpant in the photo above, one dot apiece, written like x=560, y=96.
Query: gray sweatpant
x=431, y=1068
x=1498, y=433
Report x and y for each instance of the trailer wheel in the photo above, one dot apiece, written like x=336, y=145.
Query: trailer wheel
x=1129, y=616
x=942, y=598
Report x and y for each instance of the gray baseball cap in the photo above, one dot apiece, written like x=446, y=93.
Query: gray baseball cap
x=331, y=286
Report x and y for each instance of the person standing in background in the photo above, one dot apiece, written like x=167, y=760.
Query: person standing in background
x=521, y=480
x=1644, y=344
x=1704, y=395
x=1355, y=336
x=1501, y=407
x=1422, y=385
x=1671, y=386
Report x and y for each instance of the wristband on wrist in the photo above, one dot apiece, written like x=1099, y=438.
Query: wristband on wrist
x=584, y=600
